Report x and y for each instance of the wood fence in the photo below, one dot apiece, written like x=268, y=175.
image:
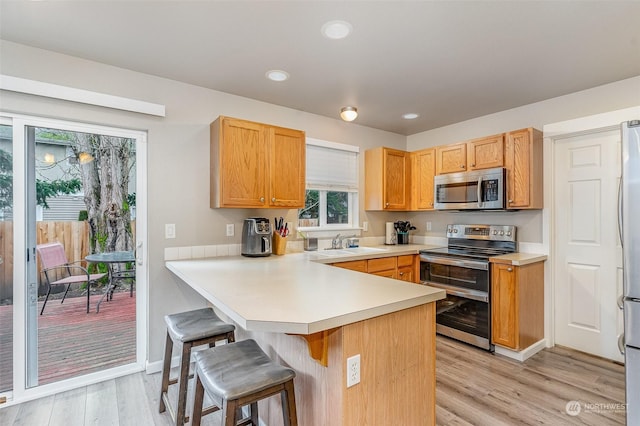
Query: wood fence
x=73, y=235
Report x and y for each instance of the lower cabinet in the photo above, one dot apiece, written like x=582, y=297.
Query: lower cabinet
x=517, y=304
x=403, y=267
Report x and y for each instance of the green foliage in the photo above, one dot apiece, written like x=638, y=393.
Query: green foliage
x=83, y=215
x=131, y=199
x=102, y=241
x=44, y=189
x=6, y=179
x=54, y=188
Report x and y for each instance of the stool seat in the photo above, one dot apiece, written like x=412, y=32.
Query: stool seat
x=240, y=374
x=237, y=370
x=196, y=325
x=188, y=330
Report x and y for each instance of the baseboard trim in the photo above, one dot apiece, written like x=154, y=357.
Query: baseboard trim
x=524, y=354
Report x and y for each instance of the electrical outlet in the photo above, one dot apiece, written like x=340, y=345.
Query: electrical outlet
x=365, y=226
x=428, y=226
x=353, y=370
x=169, y=230
x=230, y=230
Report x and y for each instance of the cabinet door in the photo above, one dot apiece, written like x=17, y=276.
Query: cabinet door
x=504, y=303
x=391, y=273
x=242, y=160
x=423, y=169
x=396, y=174
x=485, y=153
x=354, y=265
x=523, y=161
x=405, y=273
x=451, y=158
x=286, y=168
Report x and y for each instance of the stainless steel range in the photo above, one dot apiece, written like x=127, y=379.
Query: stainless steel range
x=462, y=269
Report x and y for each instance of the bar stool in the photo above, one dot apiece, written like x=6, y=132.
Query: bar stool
x=240, y=374
x=188, y=329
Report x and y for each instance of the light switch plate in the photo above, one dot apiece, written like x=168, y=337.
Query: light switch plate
x=169, y=230
x=230, y=230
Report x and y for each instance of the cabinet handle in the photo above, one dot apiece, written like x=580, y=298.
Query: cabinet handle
x=386, y=204
x=509, y=269
x=473, y=165
x=273, y=200
x=262, y=199
x=401, y=273
x=462, y=166
x=510, y=201
x=431, y=204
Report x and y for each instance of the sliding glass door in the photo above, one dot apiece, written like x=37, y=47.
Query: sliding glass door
x=77, y=191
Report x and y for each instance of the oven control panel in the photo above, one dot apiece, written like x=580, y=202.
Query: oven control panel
x=482, y=232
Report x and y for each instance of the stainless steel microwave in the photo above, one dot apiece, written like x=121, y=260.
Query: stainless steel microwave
x=476, y=190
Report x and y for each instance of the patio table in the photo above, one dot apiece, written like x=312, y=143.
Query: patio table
x=110, y=258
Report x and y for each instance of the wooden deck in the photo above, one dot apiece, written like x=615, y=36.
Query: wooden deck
x=71, y=342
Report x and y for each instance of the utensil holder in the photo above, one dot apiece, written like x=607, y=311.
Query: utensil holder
x=279, y=245
x=403, y=238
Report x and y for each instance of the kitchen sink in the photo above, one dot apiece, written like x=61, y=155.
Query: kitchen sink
x=349, y=251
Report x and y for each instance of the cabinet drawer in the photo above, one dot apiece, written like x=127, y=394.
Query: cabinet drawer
x=391, y=273
x=406, y=260
x=354, y=265
x=383, y=264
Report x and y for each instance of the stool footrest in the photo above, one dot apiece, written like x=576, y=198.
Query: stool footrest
x=210, y=410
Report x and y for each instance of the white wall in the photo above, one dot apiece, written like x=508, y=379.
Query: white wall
x=610, y=97
x=178, y=151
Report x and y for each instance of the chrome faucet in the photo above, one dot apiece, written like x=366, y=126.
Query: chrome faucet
x=336, y=243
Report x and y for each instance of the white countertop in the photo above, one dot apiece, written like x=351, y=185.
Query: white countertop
x=519, y=259
x=296, y=293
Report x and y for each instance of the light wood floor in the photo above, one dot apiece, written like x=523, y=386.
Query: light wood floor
x=473, y=387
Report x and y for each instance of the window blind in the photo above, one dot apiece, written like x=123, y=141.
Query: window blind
x=332, y=166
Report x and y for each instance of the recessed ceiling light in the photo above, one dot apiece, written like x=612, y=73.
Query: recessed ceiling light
x=277, y=75
x=336, y=29
x=410, y=116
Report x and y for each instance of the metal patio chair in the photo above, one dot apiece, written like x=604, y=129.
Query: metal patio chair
x=53, y=258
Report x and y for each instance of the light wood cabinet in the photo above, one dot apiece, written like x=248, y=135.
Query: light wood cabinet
x=523, y=161
x=517, y=305
x=255, y=165
x=405, y=267
x=387, y=179
x=353, y=265
x=423, y=170
x=485, y=153
x=451, y=158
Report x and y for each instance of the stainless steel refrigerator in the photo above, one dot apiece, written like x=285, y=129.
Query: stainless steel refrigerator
x=630, y=230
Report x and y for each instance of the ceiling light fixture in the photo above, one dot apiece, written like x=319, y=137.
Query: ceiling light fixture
x=277, y=75
x=336, y=30
x=349, y=113
x=410, y=116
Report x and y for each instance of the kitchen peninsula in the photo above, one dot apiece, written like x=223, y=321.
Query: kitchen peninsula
x=313, y=317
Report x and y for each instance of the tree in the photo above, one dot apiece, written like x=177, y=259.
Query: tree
x=44, y=189
x=105, y=163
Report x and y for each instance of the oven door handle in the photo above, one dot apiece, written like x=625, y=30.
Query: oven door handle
x=480, y=296
x=471, y=264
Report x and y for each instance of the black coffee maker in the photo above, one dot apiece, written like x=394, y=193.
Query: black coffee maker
x=256, y=237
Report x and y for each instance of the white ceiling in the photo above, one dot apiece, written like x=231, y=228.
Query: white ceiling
x=448, y=61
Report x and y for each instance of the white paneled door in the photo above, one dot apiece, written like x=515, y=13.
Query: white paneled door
x=588, y=273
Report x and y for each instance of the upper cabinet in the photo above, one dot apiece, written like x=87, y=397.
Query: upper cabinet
x=482, y=153
x=423, y=169
x=387, y=174
x=485, y=153
x=255, y=165
x=451, y=158
x=523, y=161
